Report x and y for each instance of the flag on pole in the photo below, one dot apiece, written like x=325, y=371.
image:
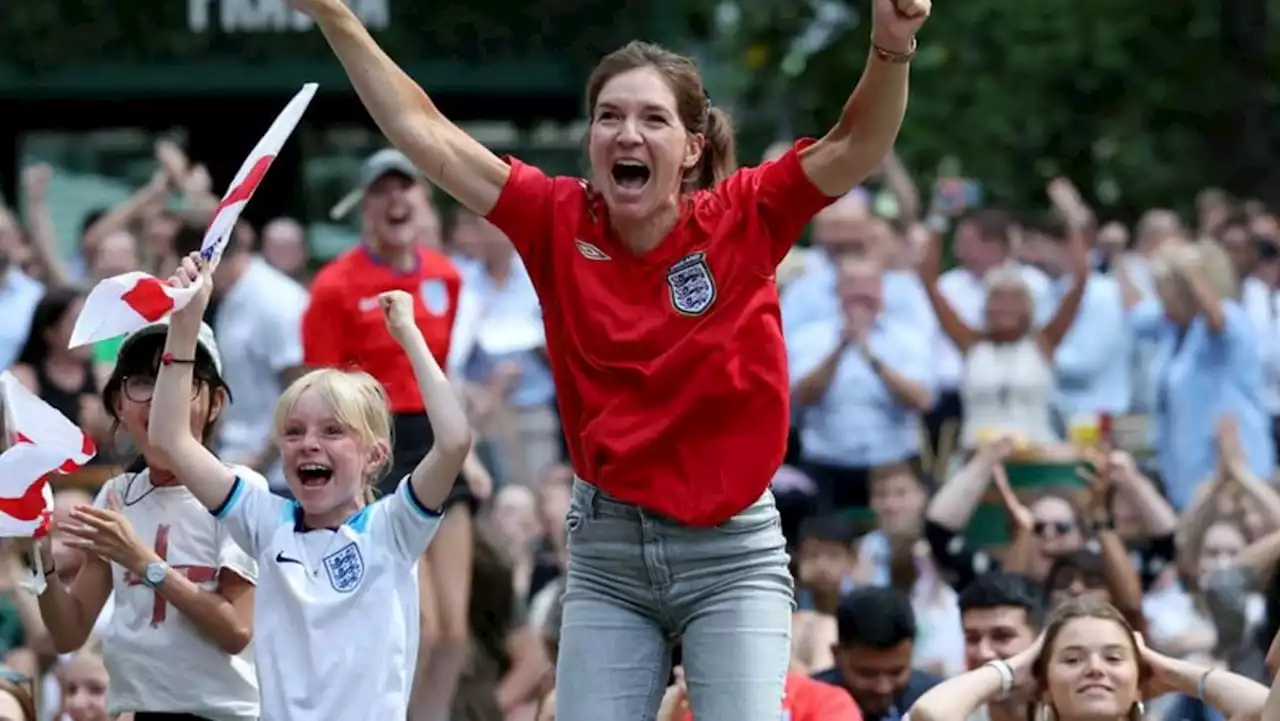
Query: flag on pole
x=39, y=441
x=130, y=301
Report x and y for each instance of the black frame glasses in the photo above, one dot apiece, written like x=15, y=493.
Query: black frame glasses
x=142, y=388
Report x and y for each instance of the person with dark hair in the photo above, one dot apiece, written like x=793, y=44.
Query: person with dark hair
x=1002, y=613
x=63, y=377
x=178, y=636
x=660, y=307
x=876, y=632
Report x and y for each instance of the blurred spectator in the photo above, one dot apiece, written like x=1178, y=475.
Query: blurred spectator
x=983, y=250
x=1207, y=366
x=61, y=376
x=284, y=247
x=861, y=383
x=877, y=630
x=19, y=294
x=1008, y=381
x=498, y=346
x=1091, y=363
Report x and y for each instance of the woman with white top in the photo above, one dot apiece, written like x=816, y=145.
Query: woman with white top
x=1008, y=381
x=177, y=643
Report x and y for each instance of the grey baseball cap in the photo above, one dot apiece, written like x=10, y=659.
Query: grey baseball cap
x=387, y=160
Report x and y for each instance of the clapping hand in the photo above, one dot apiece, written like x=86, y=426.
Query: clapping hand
x=107, y=534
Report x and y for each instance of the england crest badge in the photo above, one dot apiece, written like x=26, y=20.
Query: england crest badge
x=435, y=296
x=693, y=289
x=345, y=568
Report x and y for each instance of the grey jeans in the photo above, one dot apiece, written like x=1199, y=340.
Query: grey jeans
x=638, y=582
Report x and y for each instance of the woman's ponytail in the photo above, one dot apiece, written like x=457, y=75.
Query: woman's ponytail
x=718, y=159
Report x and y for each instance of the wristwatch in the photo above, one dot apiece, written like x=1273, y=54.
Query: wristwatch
x=155, y=573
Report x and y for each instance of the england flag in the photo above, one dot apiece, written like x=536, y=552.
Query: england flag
x=131, y=301
x=39, y=441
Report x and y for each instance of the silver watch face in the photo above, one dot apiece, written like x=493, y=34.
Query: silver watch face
x=155, y=573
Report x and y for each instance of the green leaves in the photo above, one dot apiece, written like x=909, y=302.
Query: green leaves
x=1124, y=96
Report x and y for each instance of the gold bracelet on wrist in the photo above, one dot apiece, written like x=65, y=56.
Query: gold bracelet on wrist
x=893, y=57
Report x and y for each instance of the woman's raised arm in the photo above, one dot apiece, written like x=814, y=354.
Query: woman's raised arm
x=869, y=122
x=449, y=157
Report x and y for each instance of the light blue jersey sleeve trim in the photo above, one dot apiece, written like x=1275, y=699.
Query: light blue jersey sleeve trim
x=233, y=497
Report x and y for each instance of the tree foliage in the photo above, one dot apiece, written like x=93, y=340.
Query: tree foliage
x=1142, y=104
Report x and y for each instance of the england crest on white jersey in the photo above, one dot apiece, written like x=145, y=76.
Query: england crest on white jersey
x=693, y=289
x=345, y=568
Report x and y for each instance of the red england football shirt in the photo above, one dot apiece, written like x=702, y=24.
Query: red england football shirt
x=343, y=325
x=669, y=366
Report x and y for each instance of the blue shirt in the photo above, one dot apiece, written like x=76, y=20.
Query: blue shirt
x=1092, y=364
x=812, y=297
x=1199, y=377
x=858, y=422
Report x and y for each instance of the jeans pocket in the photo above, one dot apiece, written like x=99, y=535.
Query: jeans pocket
x=573, y=521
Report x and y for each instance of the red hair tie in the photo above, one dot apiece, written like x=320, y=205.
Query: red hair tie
x=168, y=359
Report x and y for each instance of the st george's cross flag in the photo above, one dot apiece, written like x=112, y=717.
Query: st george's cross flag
x=39, y=441
x=130, y=301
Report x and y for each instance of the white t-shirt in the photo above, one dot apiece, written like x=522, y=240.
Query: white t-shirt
x=156, y=659
x=259, y=329
x=335, y=615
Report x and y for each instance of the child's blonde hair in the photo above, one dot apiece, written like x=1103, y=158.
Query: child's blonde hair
x=357, y=400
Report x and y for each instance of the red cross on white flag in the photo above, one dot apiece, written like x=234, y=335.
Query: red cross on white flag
x=130, y=301
x=39, y=441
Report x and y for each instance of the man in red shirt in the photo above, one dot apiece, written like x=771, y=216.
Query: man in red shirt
x=343, y=327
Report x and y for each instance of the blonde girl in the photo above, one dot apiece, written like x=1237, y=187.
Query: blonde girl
x=337, y=602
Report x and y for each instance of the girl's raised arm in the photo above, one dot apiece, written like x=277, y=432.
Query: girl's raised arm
x=169, y=427
x=449, y=157
x=434, y=476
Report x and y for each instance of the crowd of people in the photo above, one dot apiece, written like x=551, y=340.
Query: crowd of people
x=1041, y=479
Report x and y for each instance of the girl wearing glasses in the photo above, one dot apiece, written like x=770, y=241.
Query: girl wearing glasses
x=177, y=643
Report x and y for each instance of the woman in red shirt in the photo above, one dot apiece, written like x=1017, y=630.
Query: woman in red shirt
x=664, y=338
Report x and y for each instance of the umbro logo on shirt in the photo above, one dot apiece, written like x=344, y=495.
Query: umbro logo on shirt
x=590, y=252
x=368, y=304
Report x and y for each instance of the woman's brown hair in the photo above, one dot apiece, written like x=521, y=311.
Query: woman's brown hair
x=1058, y=620
x=693, y=105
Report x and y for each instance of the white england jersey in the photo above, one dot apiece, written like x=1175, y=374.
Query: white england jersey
x=156, y=658
x=335, y=616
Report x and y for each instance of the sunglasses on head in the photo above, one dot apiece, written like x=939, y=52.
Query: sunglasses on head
x=1059, y=528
